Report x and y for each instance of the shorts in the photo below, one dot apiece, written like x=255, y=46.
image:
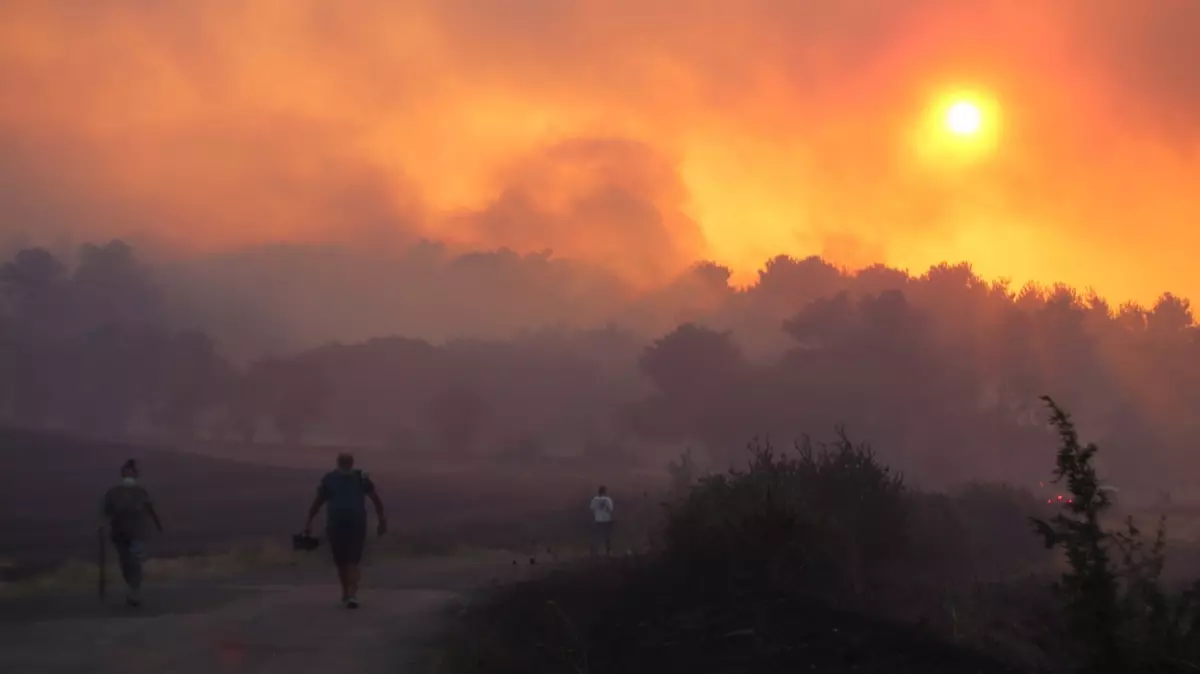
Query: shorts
x=346, y=540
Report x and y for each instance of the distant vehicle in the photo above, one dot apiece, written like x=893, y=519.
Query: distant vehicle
x=1067, y=498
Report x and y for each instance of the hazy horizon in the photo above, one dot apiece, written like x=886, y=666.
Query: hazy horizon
x=319, y=203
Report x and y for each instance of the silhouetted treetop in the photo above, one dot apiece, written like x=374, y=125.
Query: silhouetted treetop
x=519, y=353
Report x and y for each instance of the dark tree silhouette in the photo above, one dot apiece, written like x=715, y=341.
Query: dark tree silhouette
x=35, y=288
x=945, y=365
x=1170, y=317
x=111, y=286
x=189, y=377
x=692, y=362
x=299, y=394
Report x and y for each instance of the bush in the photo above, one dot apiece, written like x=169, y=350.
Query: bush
x=683, y=474
x=832, y=522
x=1120, y=618
x=826, y=517
x=766, y=568
x=753, y=561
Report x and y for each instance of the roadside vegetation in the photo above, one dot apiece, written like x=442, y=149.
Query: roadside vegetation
x=821, y=558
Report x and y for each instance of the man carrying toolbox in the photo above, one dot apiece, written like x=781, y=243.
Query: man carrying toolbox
x=343, y=492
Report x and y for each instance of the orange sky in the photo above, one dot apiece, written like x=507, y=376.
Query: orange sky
x=640, y=134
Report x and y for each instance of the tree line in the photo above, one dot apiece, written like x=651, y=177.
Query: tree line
x=946, y=365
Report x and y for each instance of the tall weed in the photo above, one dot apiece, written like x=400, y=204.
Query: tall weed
x=1119, y=616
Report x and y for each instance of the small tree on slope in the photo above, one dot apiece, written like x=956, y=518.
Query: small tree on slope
x=1116, y=610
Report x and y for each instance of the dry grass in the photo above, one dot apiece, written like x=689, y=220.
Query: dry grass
x=76, y=575
x=73, y=575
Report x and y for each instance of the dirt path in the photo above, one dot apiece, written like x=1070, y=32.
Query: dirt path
x=281, y=622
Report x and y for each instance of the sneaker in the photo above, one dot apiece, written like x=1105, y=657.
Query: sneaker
x=351, y=602
x=133, y=600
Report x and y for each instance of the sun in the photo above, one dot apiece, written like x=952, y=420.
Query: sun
x=957, y=127
x=964, y=118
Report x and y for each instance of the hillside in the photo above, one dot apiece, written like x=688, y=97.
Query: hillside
x=50, y=486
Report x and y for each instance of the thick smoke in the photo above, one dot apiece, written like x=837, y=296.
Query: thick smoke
x=631, y=136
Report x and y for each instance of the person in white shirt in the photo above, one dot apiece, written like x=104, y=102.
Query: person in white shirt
x=602, y=517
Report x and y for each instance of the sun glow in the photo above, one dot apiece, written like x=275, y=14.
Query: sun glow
x=959, y=127
x=964, y=118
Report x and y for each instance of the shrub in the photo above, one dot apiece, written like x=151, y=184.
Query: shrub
x=825, y=517
x=1119, y=616
x=683, y=474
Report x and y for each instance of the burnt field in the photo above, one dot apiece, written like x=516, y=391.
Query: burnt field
x=50, y=488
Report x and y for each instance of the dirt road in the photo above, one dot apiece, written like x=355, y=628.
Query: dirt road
x=285, y=622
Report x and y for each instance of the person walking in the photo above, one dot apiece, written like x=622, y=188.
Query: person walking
x=343, y=492
x=602, y=518
x=125, y=509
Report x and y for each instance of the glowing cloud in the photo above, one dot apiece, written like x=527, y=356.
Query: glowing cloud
x=627, y=132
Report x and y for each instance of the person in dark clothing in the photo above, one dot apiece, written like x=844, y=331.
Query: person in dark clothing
x=343, y=492
x=125, y=509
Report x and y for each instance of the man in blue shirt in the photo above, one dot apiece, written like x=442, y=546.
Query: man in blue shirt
x=343, y=493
